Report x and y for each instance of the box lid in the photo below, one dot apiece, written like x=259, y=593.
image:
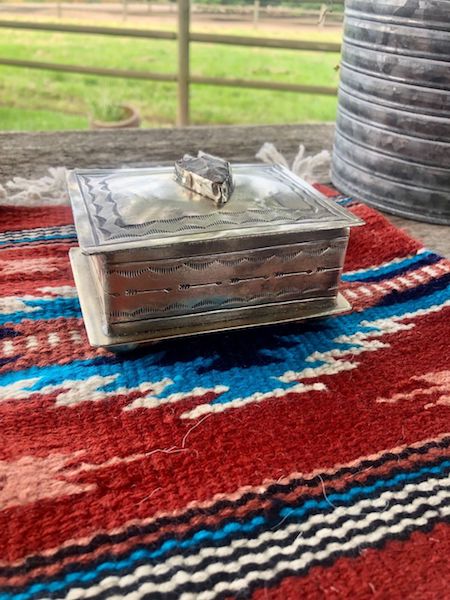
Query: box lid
x=117, y=210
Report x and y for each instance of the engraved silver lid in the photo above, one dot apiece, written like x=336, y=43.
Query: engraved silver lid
x=124, y=209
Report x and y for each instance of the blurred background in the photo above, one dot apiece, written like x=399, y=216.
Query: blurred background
x=78, y=65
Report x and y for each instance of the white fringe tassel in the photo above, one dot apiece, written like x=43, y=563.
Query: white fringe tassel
x=51, y=190
x=314, y=169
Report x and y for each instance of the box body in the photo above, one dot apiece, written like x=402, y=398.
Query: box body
x=162, y=259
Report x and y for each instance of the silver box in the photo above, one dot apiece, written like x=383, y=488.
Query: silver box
x=158, y=261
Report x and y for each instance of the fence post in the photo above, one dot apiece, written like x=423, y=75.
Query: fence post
x=183, y=62
x=323, y=15
x=256, y=12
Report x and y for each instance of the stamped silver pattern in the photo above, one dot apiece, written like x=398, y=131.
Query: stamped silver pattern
x=117, y=208
x=157, y=260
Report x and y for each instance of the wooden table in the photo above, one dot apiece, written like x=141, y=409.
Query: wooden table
x=30, y=154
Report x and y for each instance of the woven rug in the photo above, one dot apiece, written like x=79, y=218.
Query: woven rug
x=300, y=461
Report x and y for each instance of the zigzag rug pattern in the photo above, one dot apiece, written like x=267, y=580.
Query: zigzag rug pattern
x=298, y=461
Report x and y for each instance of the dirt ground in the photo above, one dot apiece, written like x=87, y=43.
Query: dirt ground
x=140, y=15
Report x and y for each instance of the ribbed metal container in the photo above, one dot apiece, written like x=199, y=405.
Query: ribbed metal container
x=392, y=144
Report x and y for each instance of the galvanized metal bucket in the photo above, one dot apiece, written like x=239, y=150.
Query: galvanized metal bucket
x=392, y=144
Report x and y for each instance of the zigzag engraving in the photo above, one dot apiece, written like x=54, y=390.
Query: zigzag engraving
x=108, y=217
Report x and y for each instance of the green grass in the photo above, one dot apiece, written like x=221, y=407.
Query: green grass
x=22, y=119
x=43, y=100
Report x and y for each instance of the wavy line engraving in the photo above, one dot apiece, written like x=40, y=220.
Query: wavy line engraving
x=237, y=301
x=203, y=264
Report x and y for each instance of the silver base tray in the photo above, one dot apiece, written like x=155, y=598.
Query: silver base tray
x=195, y=324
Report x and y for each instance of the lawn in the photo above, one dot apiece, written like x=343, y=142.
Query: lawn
x=44, y=100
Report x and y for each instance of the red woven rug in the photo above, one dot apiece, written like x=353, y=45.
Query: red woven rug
x=301, y=461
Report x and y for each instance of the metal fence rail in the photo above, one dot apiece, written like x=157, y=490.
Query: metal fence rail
x=184, y=37
x=208, y=38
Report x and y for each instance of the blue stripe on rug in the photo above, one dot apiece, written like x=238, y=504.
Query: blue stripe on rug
x=374, y=274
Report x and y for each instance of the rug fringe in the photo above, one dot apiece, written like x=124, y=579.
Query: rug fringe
x=314, y=169
x=51, y=189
